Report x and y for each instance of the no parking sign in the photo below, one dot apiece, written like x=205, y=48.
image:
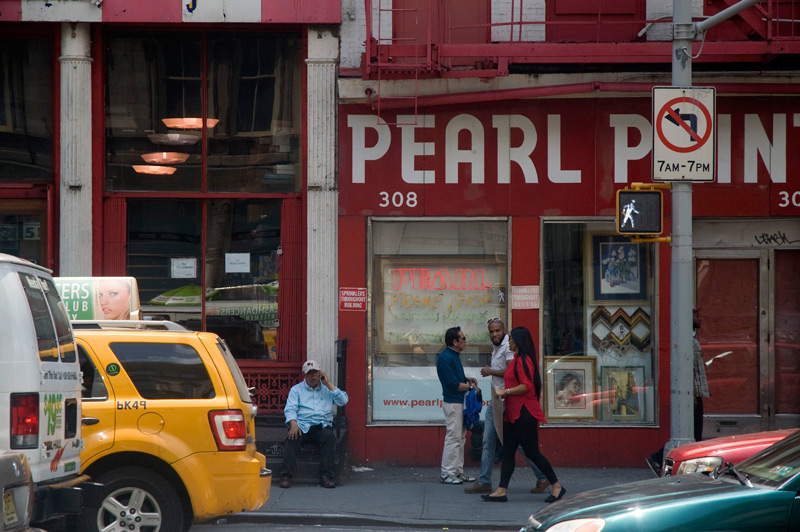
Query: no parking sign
x=684, y=133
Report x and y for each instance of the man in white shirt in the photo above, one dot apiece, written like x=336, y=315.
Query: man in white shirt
x=501, y=356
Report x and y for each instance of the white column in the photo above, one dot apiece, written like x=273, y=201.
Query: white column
x=75, y=226
x=322, y=199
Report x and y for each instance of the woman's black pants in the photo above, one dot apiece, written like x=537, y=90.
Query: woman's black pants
x=524, y=431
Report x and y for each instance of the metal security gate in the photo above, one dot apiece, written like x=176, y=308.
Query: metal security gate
x=749, y=301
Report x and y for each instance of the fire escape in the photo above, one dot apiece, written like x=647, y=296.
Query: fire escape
x=423, y=39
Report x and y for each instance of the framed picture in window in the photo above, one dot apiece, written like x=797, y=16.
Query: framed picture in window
x=619, y=269
x=569, y=387
x=624, y=387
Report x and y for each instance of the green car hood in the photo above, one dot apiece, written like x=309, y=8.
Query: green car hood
x=684, y=502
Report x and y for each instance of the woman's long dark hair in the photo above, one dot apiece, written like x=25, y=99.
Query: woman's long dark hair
x=522, y=338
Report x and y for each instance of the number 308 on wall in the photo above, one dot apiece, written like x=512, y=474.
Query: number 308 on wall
x=787, y=199
x=397, y=199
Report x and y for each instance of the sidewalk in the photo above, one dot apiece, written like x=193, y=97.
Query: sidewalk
x=414, y=497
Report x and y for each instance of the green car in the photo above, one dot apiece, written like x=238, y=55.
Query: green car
x=760, y=494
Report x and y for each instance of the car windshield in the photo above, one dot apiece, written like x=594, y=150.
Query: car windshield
x=774, y=465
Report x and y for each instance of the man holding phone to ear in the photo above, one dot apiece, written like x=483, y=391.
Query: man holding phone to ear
x=309, y=417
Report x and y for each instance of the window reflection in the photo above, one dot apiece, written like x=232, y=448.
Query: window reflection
x=150, y=78
x=242, y=265
x=164, y=253
x=155, y=106
x=26, y=111
x=254, y=89
x=597, y=308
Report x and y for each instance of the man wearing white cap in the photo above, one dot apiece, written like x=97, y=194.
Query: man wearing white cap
x=309, y=416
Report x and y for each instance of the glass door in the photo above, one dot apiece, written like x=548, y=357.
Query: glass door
x=23, y=229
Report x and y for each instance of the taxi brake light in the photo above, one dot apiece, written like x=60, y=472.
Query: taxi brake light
x=228, y=427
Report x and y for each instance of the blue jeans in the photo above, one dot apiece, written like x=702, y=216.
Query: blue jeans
x=487, y=453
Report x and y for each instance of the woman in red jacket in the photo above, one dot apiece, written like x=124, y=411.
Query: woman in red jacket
x=523, y=387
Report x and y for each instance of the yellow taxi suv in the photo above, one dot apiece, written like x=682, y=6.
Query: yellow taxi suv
x=169, y=428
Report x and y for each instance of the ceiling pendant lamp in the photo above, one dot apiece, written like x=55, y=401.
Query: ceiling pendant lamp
x=165, y=157
x=153, y=169
x=189, y=123
x=174, y=139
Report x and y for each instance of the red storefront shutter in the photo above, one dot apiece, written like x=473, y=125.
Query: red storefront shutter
x=292, y=292
x=115, y=229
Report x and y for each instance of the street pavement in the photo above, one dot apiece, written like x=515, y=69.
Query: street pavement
x=413, y=497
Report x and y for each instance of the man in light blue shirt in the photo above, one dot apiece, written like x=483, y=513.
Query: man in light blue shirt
x=309, y=416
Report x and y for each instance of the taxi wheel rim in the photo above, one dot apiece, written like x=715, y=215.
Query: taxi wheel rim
x=129, y=509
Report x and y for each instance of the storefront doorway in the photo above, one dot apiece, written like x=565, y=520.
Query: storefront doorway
x=749, y=302
x=23, y=229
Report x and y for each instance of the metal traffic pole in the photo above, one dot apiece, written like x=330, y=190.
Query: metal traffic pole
x=682, y=278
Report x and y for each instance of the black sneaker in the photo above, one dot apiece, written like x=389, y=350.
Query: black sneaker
x=654, y=466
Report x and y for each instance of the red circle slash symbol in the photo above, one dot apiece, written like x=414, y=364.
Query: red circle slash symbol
x=667, y=113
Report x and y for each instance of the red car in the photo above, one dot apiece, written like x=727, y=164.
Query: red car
x=704, y=456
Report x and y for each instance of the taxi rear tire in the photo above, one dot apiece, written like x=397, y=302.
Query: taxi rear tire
x=142, y=499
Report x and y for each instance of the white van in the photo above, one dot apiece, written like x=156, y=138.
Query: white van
x=40, y=386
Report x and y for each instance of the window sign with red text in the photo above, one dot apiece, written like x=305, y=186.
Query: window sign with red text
x=426, y=277
x=420, y=300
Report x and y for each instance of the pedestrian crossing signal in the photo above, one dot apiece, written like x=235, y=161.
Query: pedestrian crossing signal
x=639, y=212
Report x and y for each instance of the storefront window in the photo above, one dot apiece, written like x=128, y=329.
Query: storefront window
x=427, y=277
x=155, y=102
x=599, y=356
x=26, y=111
x=242, y=267
x=164, y=254
x=203, y=138
x=255, y=91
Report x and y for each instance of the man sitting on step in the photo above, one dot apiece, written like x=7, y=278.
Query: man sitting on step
x=309, y=416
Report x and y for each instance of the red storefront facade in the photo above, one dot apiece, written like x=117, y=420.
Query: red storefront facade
x=506, y=207
x=101, y=176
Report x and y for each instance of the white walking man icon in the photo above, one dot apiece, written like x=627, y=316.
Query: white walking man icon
x=629, y=209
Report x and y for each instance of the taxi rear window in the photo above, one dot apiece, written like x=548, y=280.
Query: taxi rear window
x=238, y=378
x=165, y=370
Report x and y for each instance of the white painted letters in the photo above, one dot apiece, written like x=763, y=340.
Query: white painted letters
x=473, y=156
x=756, y=143
x=362, y=154
x=723, y=148
x=411, y=149
x=776, y=148
x=521, y=154
x=554, y=171
x=624, y=153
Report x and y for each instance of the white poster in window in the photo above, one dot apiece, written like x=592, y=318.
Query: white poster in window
x=414, y=393
x=185, y=268
x=237, y=263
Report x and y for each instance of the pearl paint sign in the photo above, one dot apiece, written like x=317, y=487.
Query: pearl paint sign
x=557, y=157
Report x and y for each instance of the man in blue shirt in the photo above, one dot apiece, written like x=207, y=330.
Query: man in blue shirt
x=309, y=416
x=454, y=385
